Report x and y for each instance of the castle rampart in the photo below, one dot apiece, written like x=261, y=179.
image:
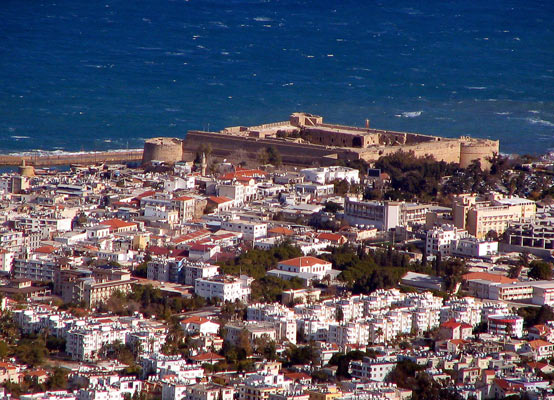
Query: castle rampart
x=322, y=140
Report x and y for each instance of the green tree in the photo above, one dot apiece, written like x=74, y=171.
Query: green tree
x=31, y=351
x=243, y=344
x=57, y=380
x=340, y=314
x=273, y=156
x=540, y=270
x=342, y=361
x=332, y=207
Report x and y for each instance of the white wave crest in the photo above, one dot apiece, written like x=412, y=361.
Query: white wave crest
x=475, y=87
x=409, y=114
x=538, y=121
x=20, y=137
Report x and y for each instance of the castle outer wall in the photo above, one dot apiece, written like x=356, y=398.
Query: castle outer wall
x=461, y=151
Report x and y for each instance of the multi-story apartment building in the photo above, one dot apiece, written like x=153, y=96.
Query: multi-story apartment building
x=164, y=269
x=85, y=344
x=224, y=287
x=36, y=268
x=475, y=248
x=44, y=224
x=250, y=230
x=510, y=325
x=385, y=215
x=257, y=391
x=186, y=206
x=6, y=260
x=98, y=292
x=11, y=240
x=192, y=272
x=442, y=240
x=374, y=370
x=480, y=215
x=239, y=193
x=349, y=333
x=209, y=391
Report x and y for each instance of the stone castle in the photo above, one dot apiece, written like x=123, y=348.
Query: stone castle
x=306, y=140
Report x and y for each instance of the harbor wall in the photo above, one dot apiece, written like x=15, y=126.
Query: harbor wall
x=47, y=160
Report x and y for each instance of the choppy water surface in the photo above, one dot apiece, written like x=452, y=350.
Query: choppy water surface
x=106, y=74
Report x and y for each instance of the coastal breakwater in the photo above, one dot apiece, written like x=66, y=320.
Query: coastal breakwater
x=53, y=159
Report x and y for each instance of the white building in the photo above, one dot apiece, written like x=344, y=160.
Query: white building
x=6, y=260
x=305, y=268
x=373, y=370
x=203, y=326
x=349, y=333
x=384, y=215
x=224, y=287
x=161, y=213
x=241, y=194
x=97, y=232
x=194, y=271
x=85, y=344
x=250, y=230
x=441, y=240
x=451, y=241
x=475, y=248
x=329, y=174
x=209, y=392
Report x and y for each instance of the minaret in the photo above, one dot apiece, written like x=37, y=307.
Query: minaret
x=203, y=164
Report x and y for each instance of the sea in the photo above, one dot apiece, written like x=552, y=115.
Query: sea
x=107, y=74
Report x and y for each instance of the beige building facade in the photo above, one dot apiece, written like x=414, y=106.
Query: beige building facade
x=480, y=215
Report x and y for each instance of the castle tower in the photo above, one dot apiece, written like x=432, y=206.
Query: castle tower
x=26, y=170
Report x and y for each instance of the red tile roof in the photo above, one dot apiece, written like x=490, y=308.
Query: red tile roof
x=45, y=249
x=115, y=223
x=451, y=324
x=192, y=236
x=202, y=247
x=146, y=194
x=219, y=199
x=195, y=320
x=158, y=251
x=536, y=344
x=244, y=173
x=279, y=230
x=207, y=357
x=183, y=198
x=298, y=376
x=307, y=261
x=332, y=237
x=488, y=277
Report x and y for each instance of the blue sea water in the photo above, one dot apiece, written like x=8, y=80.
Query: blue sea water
x=93, y=75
